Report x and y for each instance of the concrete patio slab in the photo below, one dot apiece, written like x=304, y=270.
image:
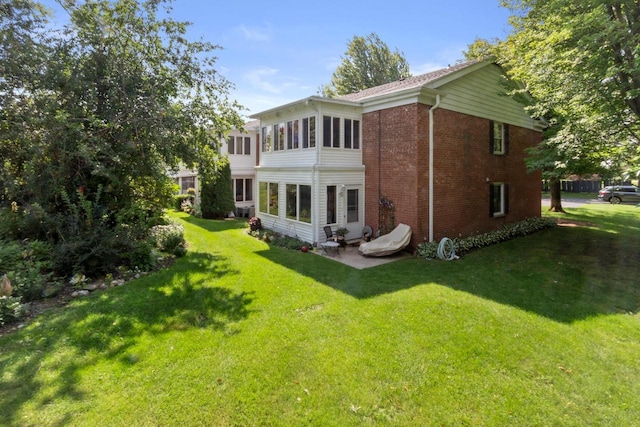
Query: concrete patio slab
x=351, y=256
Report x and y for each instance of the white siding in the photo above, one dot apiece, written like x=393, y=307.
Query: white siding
x=480, y=94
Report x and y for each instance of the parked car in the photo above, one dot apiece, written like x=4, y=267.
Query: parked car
x=620, y=194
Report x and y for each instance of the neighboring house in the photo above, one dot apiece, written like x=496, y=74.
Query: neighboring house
x=242, y=150
x=187, y=179
x=442, y=152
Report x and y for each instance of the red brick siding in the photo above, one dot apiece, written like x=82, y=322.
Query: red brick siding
x=396, y=155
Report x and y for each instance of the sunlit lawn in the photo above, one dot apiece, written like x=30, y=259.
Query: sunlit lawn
x=542, y=330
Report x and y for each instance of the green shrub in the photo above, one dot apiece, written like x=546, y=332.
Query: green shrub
x=179, y=199
x=11, y=309
x=141, y=256
x=507, y=232
x=277, y=239
x=28, y=268
x=169, y=238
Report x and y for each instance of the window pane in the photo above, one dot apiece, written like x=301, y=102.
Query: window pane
x=292, y=201
x=352, y=206
x=273, y=198
x=498, y=138
x=239, y=189
x=187, y=183
x=356, y=134
x=305, y=203
x=238, y=145
x=281, y=137
x=331, y=204
x=497, y=205
x=264, y=196
x=276, y=137
x=305, y=133
x=289, y=135
x=336, y=132
x=231, y=142
x=296, y=142
x=248, y=190
x=347, y=133
x=312, y=132
x=266, y=139
x=326, y=131
x=247, y=145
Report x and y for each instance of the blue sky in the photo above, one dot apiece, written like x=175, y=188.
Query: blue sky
x=276, y=52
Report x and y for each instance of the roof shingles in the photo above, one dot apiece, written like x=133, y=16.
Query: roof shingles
x=408, y=83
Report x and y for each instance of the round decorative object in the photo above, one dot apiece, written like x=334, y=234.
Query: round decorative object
x=304, y=249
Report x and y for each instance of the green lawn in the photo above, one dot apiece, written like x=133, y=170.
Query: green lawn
x=543, y=330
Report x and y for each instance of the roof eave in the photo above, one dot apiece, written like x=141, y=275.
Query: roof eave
x=306, y=101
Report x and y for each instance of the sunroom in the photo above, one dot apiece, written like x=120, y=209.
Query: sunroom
x=310, y=173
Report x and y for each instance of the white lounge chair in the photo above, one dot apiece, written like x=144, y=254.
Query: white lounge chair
x=388, y=244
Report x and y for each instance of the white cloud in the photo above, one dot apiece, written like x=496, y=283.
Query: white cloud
x=255, y=34
x=261, y=79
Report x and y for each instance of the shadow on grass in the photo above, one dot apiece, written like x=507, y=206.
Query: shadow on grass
x=564, y=274
x=108, y=324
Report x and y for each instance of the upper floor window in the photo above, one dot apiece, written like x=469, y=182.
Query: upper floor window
x=267, y=142
x=239, y=145
x=309, y=132
x=499, y=138
x=331, y=131
x=352, y=134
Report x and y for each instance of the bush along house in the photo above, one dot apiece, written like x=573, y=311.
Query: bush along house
x=442, y=152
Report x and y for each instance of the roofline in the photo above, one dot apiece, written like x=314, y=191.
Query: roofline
x=307, y=101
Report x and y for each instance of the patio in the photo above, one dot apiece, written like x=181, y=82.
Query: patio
x=350, y=256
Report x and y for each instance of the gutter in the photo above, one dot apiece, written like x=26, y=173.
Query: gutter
x=431, y=110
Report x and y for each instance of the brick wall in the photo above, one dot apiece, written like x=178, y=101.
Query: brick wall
x=396, y=158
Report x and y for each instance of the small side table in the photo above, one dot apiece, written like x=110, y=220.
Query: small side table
x=327, y=246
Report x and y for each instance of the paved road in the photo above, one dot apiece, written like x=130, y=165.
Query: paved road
x=571, y=202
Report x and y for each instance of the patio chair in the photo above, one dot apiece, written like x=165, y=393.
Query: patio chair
x=331, y=242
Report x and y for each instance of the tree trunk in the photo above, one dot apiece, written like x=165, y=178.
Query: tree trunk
x=556, y=202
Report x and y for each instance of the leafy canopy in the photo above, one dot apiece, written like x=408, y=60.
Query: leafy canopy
x=367, y=63
x=581, y=65
x=98, y=112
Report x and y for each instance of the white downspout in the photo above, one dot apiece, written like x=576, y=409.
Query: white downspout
x=431, y=166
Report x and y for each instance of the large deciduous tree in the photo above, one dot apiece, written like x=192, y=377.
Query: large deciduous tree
x=368, y=62
x=96, y=114
x=581, y=65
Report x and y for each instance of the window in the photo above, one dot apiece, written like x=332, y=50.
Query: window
x=330, y=131
x=266, y=139
x=231, y=142
x=353, y=214
x=279, y=138
x=248, y=190
x=304, y=195
x=187, y=183
x=292, y=201
x=498, y=195
x=273, y=198
x=309, y=132
x=247, y=145
x=263, y=191
x=352, y=134
x=243, y=189
x=331, y=204
x=299, y=202
x=268, y=198
x=499, y=138
x=292, y=135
